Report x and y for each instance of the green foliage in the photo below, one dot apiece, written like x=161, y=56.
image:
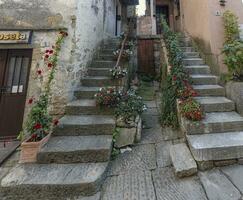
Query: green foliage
x=130, y=106
x=231, y=27
x=191, y=109
x=233, y=47
x=115, y=151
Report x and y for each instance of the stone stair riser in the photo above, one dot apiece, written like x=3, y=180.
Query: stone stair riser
x=191, y=54
x=107, y=57
x=187, y=49
x=98, y=82
x=88, y=110
x=103, y=64
x=84, y=94
x=193, y=62
x=221, y=107
x=198, y=70
x=84, y=130
x=85, y=156
x=204, y=80
x=211, y=92
x=99, y=72
x=201, y=128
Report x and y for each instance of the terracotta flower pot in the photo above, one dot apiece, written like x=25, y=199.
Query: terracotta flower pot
x=29, y=150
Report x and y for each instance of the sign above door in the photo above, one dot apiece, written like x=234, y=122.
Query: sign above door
x=15, y=37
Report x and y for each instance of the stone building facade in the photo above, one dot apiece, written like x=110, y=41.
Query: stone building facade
x=87, y=22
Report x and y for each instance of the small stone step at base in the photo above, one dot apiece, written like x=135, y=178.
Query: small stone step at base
x=193, y=61
x=214, y=122
x=98, y=81
x=209, y=90
x=182, y=160
x=86, y=107
x=198, y=69
x=204, y=79
x=85, y=125
x=216, y=146
x=216, y=104
x=86, y=92
x=53, y=181
x=76, y=149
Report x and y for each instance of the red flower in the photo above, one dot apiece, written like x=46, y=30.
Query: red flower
x=31, y=100
x=51, y=51
x=65, y=34
x=50, y=65
x=56, y=122
x=47, y=56
x=39, y=72
x=174, y=78
x=47, y=51
x=37, y=126
x=34, y=136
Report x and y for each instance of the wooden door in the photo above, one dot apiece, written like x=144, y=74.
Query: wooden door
x=146, y=57
x=161, y=11
x=15, y=66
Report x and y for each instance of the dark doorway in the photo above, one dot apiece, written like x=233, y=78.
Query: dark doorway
x=161, y=11
x=14, y=73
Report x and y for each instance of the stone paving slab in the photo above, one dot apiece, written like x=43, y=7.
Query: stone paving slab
x=94, y=197
x=152, y=135
x=6, y=151
x=131, y=186
x=218, y=186
x=235, y=174
x=151, y=104
x=163, y=154
x=150, y=121
x=171, y=134
x=142, y=157
x=169, y=187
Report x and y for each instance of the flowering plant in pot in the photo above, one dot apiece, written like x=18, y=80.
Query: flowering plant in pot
x=118, y=73
x=108, y=97
x=39, y=123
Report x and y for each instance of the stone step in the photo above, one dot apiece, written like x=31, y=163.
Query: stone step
x=191, y=54
x=86, y=107
x=86, y=92
x=187, y=49
x=216, y=146
x=85, y=125
x=76, y=149
x=204, y=79
x=53, y=181
x=193, y=61
x=216, y=104
x=198, y=69
x=99, y=71
x=215, y=122
x=182, y=160
x=106, y=57
x=107, y=51
x=103, y=64
x=98, y=81
x=185, y=43
x=209, y=90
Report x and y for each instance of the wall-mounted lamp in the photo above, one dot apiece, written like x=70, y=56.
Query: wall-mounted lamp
x=222, y=2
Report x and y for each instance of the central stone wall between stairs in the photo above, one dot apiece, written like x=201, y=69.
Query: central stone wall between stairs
x=74, y=162
x=218, y=138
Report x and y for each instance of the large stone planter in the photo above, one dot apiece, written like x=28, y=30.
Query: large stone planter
x=29, y=150
x=234, y=91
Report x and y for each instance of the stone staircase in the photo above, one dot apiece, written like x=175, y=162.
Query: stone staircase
x=73, y=163
x=219, y=136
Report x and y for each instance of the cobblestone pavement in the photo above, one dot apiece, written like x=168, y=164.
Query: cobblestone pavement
x=146, y=172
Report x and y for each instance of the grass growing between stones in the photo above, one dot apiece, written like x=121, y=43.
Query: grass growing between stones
x=146, y=91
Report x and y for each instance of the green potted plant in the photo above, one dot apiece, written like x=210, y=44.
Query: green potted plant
x=39, y=123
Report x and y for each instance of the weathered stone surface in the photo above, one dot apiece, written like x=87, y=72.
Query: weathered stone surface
x=235, y=175
x=3, y=172
x=125, y=137
x=215, y=122
x=171, y=134
x=97, y=81
x=104, y=63
x=209, y=90
x=85, y=125
x=222, y=163
x=163, y=154
x=169, y=187
x=55, y=181
x=86, y=107
x=135, y=186
x=205, y=165
x=74, y=149
x=220, y=146
x=152, y=135
x=139, y=130
x=150, y=121
x=234, y=91
x=198, y=69
x=199, y=79
x=142, y=157
x=193, y=61
x=150, y=104
x=99, y=71
x=191, y=54
x=187, y=49
x=217, y=186
x=182, y=160
x=216, y=104
x=94, y=197
x=86, y=92
x=6, y=151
